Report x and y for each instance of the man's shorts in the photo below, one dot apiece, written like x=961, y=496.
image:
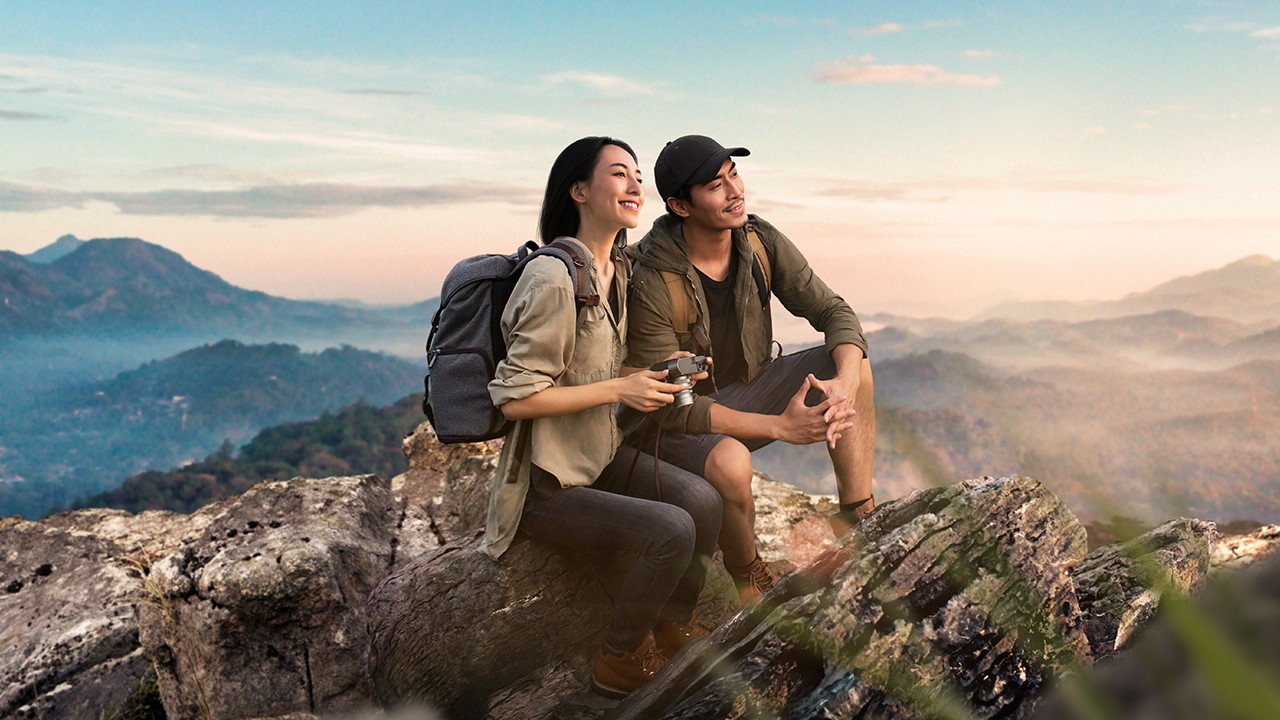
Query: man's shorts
x=767, y=394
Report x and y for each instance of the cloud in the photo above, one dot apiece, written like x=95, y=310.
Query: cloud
x=979, y=54
x=866, y=191
x=52, y=175
x=1249, y=29
x=219, y=174
x=863, y=70
x=881, y=29
x=20, y=115
x=943, y=188
x=1198, y=114
x=889, y=28
x=529, y=123
x=315, y=200
x=22, y=198
x=356, y=143
x=384, y=92
x=609, y=88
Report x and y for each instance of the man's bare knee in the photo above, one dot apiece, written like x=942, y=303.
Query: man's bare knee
x=728, y=469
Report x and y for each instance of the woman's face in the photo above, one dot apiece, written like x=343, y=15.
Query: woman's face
x=613, y=196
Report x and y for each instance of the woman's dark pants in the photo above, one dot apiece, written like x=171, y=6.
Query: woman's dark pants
x=672, y=540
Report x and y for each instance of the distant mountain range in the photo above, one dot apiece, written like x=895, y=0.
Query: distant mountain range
x=1162, y=339
x=113, y=285
x=1247, y=291
x=64, y=245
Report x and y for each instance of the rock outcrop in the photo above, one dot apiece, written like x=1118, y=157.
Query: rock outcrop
x=261, y=613
x=454, y=625
x=256, y=605
x=951, y=599
x=1119, y=586
x=1216, y=655
x=66, y=622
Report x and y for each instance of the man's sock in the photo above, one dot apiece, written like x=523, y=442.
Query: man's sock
x=853, y=506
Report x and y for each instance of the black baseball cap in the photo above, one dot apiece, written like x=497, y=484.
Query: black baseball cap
x=690, y=160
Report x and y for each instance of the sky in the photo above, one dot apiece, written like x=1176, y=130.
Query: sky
x=928, y=157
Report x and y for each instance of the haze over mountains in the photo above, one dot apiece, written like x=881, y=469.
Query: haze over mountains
x=104, y=287
x=1162, y=403
x=86, y=438
x=1247, y=291
x=115, y=359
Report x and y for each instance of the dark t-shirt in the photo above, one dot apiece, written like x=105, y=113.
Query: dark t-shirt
x=726, y=340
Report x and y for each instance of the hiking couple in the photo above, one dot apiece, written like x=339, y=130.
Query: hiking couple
x=574, y=472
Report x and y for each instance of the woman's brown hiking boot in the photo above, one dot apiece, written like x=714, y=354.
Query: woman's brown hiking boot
x=670, y=637
x=752, y=580
x=615, y=676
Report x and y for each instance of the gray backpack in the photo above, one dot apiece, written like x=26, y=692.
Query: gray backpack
x=466, y=344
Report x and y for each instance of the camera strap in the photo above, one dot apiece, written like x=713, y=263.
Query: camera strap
x=644, y=438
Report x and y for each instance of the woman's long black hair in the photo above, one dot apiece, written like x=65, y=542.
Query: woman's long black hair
x=576, y=163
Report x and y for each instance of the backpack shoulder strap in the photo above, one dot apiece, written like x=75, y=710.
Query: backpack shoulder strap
x=762, y=257
x=682, y=315
x=584, y=291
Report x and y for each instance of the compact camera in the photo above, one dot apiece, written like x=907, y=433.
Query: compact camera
x=678, y=372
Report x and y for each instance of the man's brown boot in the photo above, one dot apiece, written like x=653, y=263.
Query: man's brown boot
x=615, y=676
x=844, y=520
x=670, y=637
x=752, y=580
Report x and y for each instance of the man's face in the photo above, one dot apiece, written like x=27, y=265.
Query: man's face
x=716, y=205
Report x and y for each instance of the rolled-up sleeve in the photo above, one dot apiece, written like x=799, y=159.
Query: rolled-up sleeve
x=539, y=324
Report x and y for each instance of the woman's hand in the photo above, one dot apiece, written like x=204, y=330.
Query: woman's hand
x=625, y=370
x=644, y=390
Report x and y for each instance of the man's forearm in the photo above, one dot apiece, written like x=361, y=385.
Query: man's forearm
x=743, y=425
x=848, y=360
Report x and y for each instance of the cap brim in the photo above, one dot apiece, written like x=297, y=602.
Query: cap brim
x=708, y=170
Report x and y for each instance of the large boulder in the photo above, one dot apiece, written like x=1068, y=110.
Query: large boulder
x=1120, y=585
x=951, y=601
x=1234, y=552
x=1214, y=655
x=444, y=494
x=66, y=622
x=261, y=612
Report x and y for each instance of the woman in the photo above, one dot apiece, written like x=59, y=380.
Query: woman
x=562, y=477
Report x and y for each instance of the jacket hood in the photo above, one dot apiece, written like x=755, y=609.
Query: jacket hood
x=662, y=248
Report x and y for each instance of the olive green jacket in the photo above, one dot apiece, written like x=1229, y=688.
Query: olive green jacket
x=651, y=337
x=546, y=347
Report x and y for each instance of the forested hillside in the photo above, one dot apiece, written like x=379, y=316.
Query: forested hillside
x=81, y=440
x=355, y=440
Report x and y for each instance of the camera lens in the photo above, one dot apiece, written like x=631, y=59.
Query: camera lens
x=684, y=396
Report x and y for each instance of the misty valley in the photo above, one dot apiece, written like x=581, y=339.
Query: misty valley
x=133, y=379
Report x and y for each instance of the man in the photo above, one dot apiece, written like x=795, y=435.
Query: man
x=701, y=285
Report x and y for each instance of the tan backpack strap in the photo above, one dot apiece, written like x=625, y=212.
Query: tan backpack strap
x=682, y=315
x=762, y=257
